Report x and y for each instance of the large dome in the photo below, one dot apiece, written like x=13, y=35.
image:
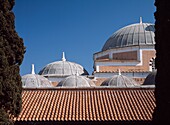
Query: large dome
x=131, y=35
x=76, y=81
x=62, y=68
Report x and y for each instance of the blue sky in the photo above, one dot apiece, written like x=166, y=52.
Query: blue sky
x=77, y=27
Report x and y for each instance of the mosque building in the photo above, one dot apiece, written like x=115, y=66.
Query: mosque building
x=119, y=91
x=130, y=49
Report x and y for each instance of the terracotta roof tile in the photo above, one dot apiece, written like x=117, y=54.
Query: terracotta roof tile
x=99, y=81
x=106, y=104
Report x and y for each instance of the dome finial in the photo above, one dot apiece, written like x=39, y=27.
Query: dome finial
x=63, y=57
x=119, y=72
x=32, y=71
x=77, y=74
x=140, y=20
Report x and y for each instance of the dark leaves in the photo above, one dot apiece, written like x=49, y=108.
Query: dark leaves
x=11, y=56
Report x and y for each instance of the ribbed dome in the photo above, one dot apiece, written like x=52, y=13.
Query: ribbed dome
x=119, y=81
x=76, y=81
x=63, y=68
x=150, y=79
x=35, y=81
x=131, y=35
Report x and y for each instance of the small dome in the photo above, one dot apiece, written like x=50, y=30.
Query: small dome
x=62, y=68
x=35, y=81
x=150, y=79
x=131, y=35
x=76, y=81
x=119, y=81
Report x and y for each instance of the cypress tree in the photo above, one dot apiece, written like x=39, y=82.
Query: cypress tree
x=162, y=38
x=11, y=56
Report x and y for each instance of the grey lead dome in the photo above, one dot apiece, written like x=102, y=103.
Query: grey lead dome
x=35, y=81
x=62, y=68
x=119, y=81
x=76, y=81
x=131, y=35
x=150, y=79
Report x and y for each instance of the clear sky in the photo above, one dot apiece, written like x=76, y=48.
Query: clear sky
x=77, y=27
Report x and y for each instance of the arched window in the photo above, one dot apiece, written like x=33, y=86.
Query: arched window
x=152, y=64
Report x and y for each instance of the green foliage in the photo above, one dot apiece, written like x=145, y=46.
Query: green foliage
x=11, y=56
x=4, y=118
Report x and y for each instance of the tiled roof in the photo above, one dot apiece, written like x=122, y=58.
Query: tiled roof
x=54, y=84
x=139, y=80
x=87, y=104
